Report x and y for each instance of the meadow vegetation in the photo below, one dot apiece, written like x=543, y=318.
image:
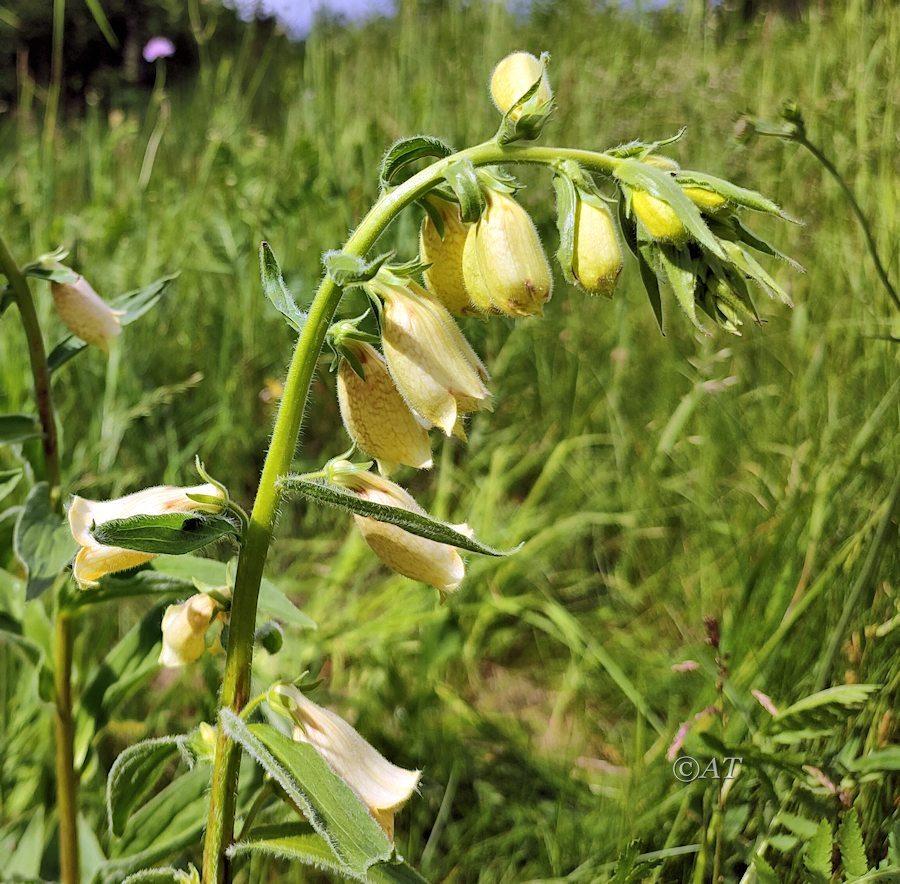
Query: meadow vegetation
x=657, y=481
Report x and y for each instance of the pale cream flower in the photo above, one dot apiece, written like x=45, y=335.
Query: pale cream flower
x=434, y=367
x=375, y=414
x=184, y=629
x=85, y=313
x=513, y=77
x=382, y=786
x=443, y=252
x=418, y=558
x=94, y=560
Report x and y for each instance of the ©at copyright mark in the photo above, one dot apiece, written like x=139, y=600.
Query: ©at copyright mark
x=687, y=769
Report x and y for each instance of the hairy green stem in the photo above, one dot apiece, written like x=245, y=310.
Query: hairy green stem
x=236, y=680
x=66, y=784
x=863, y=221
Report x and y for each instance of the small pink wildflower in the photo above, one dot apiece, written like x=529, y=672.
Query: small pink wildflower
x=158, y=47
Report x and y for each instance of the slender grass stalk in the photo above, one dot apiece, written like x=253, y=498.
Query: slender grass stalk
x=56, y=72
x=66, y=785
x=258, y=537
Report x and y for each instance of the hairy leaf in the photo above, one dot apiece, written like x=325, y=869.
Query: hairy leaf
x=275, y=289
x=424, y=526
x=172, y=533
x=680, y=270
x=740, y=196
x=346, y=269
x=166, y=875
x=462, y=178
x=42, y=541
x=144, y=582
x=328, y=803
x=408, y=150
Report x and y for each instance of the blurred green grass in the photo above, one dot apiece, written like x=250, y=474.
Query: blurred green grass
x=655, y=480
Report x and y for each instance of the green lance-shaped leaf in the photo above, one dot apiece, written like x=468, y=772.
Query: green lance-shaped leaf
x=647, y=257
x=172, y=533
x=747, y=264
x=566, y=202
x=327, y=802
x=463, y=179
x=133, y=776
x=328, y=493
x=18, y=428
x=660, y=184
x=8, y=481
x=824, y=707
x=143, y=582
x=275, y=289
x=740, y=196
x=406, y=151
x=134, y=304
x=298, y=843
x=42, y=541
x=681, y=272
x=346, y=270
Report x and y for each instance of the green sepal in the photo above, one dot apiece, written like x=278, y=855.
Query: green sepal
x=331, y=494
x=647, y=254
x=731, y=228
x=748, y=265
x=61, y=275
x=740, y=196
x=171, y=533
x=680, y=270
x=644, y=148
x=566, y=203
x=42, y=541
x=276, y=290
x=134, y=305
x=661, y=185
x=270, y=637
x=18, y=428
x=347, y=270
x=407, y=150
x=463, y=179
x=534, y=116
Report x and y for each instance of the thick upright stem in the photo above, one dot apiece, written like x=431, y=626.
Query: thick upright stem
x=236, y=680
x=66, y=785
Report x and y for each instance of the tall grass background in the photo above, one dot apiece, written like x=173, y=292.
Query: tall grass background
x=655, y=480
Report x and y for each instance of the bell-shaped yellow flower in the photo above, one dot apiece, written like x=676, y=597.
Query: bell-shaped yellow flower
x=382, y=786
x=94, y=560
x=444, y=277
x=513, y=77
x=184, y=629
x=597, y=256
x=504, y=264
x=659, y=218
x=705, y=200
x=418, y=558
x=375, y=414
x=85, y=313
x=435, y=369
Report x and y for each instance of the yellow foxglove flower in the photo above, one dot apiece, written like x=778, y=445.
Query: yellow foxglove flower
x=597, y=256
x=377, y=418
x=94, y=560
x=418, y=558
x=382, y=786
x=513, y=77
x=432, y=364
x=705, y=200
x=85, y=313
x=444, y=278
x=659, y=218
x=504, y=264
x=184, y=629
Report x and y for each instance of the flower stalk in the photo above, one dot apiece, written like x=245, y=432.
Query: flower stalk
x=259, y=534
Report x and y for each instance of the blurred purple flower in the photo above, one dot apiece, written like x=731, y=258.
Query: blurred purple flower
x=158, y=47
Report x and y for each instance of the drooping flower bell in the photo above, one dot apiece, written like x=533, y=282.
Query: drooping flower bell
x=659, y=219
x=706, y=200
x=382, y=786
x=184, y=630
x=444, y=253
x=85, y=313
x=434, y=367
x=597, y=255
x=375, y=414
x=95, y=560
x=418, y=558
x=504, y=264
x=513, y=77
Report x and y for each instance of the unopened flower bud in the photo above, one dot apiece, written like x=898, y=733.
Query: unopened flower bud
x=184, y=629
x=382, y=786
x=85, y=313
x=597, y=256
x=659, y=218
x=432, y=364
x=444, y=278
x=418, y=558
x=504, y=263
x=658, y=161
x=705, y=200
x=377, y=418
x=513, y=77
x=95, y=560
